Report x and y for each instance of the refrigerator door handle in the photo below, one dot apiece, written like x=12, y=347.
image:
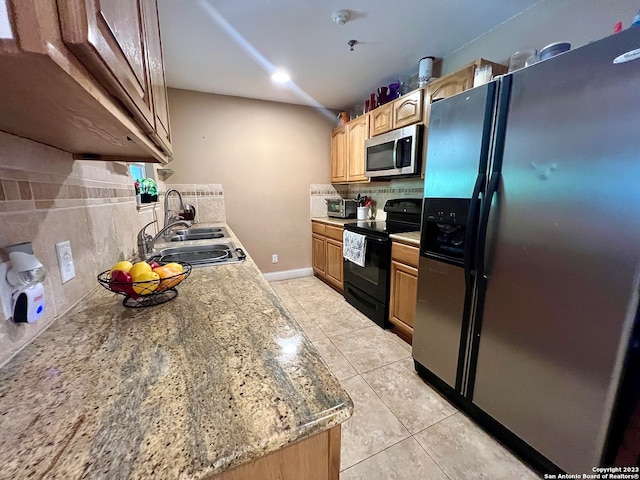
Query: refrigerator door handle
x=469, y=263
x=492, y=189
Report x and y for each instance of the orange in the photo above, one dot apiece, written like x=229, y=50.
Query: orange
x=174, y=266
x=169, y=277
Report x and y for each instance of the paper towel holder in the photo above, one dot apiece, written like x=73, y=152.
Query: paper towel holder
x=21, y=288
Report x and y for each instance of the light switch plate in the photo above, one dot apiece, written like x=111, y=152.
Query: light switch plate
x=65, y=261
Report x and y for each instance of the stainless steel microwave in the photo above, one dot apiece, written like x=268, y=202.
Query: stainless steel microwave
x=397, y=153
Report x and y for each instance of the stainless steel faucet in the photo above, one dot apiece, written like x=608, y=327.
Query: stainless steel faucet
x=168, y=218
x=146, y=241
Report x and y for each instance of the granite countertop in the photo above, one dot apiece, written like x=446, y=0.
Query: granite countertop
x=411, y=238
x=338, y=222
x=217, y=377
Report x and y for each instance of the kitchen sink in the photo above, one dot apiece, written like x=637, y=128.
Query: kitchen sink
x=199, y=233
x=201, y=255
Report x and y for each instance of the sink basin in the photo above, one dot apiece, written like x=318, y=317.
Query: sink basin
x=202, y=255
x=195, y=236
x=199, y=233
x=203, y=231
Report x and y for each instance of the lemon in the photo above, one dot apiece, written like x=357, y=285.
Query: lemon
x=125, y=266
x=146, y=283
x=139, y=268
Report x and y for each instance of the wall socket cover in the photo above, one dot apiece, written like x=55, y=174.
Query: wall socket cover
x=65, y=261
x=274, y=258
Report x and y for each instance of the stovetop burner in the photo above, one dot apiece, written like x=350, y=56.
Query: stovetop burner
x=403, y=215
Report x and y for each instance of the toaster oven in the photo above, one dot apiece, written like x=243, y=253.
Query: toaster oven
x=341, y=208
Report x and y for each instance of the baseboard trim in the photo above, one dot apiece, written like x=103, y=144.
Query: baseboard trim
x=288, y=274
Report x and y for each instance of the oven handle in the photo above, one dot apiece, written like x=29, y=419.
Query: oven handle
x=373, y=239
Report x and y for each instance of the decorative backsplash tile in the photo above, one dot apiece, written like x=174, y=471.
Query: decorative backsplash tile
x=380, y=192
x=207, y=198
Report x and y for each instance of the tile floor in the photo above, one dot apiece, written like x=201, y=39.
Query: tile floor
x=401, y=428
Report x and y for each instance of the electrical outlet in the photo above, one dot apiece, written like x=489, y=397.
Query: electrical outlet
x=274, y=258
x=65, y=261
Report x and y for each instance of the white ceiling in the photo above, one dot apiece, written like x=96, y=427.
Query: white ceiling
x=202, y=43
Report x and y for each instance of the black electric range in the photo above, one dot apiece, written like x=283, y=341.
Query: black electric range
x=367, y=288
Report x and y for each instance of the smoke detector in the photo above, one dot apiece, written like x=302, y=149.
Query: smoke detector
x=341, y=16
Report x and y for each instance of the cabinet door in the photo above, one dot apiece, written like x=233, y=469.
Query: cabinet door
x=155, y=60
x=404, y=291
x=335, y=263
x=357, y=133
x=408, y=109
x=108, y=38
x=318, y=253
x=448, y=86
x=339, y=155
x=381, y=119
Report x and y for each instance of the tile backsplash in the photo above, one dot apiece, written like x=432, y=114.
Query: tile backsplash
x=45, y=198
x=379, y=191
x=208, y=200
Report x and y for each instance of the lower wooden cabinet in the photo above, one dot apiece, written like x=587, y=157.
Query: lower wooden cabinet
x=314, y=458
x=326, y=254
x=334, y=265
x=404, y=287
x=319, y=254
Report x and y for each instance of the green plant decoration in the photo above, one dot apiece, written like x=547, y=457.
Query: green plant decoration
x=148, y=185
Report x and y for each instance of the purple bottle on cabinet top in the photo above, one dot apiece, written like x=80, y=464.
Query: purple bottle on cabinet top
x=394, y=90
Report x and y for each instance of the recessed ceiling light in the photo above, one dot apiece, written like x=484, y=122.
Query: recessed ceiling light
x=280, y=76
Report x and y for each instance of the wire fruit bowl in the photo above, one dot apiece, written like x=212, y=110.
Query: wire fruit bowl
x=146, y=293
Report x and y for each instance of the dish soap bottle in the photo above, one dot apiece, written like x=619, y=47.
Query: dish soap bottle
x=636, y=21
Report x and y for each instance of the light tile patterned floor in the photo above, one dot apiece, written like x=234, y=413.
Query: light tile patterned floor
x=401, y=428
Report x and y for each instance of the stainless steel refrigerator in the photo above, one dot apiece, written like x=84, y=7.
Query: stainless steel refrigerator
x=530, y=251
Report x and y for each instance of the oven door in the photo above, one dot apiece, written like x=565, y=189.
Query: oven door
x=371, y=279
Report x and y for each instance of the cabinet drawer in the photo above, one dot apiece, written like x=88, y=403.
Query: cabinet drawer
x=405, y=254
x=334, y=232
x=318, y=228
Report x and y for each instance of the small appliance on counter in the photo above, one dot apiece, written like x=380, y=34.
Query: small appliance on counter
x=366, y=287
x=21, y=287
x=341, y=207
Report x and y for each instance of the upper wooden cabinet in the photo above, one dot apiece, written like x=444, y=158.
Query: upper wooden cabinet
x=339, y=155
x=402, y=112
x=407, y=110
x=79, y=75
x=108, y=38
x=347, y=151
x=456, y=82
x=357, y=133
x=381, y=119
x=160, y=100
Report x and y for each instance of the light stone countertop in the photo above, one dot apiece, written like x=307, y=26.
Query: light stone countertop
x=411, y=238
x=217, y=377
x=338, y=222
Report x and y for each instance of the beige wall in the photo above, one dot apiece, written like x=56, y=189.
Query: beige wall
x=265, y=155
x=576, y=21
x=46, y=197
